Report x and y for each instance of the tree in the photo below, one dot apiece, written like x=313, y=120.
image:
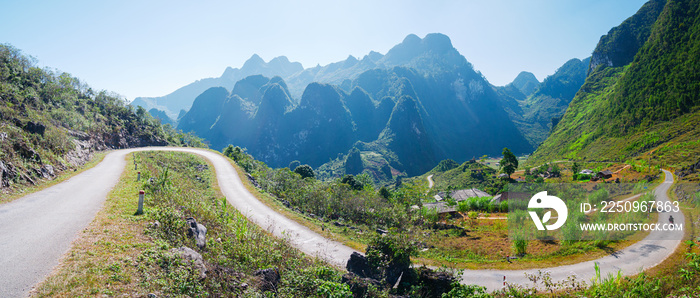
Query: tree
x=575, y=168
x=385, y=193
x=509, y=162
x=352, y=182
x=305, y=171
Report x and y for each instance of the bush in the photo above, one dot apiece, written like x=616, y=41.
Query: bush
x=305, y=171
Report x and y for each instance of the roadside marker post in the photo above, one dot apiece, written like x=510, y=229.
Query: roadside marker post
x=138, y=176
x=140, y=209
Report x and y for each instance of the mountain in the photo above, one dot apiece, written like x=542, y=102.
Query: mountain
x=645, y=107
x=161, y=116
x=536, y=112
x=526, y=83
x=621, y=44
x=404, y=111
x=183, y=97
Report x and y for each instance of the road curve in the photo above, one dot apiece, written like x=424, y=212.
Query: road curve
x=39, y=228
x=645, y=254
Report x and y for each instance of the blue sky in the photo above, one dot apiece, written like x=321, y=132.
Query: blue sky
x=150, y=48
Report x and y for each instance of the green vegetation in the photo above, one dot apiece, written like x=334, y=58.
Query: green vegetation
x=350, y=198
x=509, y=162
x=537, y=112
x=50, y=122
x=135, y=255
x=467, y=175
x=648, y=108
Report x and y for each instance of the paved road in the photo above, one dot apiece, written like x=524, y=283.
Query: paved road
x=647, y=253
x=39, y=228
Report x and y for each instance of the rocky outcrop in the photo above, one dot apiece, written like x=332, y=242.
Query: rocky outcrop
x=198, y=232
x=268, y=279
x=189, y=254
x=621, y=44
x=359, y=265
x=360, y=286
x=433, y=283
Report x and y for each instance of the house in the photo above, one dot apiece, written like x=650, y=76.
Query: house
x=586, y=172
x=604, y=174
x=442, y=208
x=462, y=194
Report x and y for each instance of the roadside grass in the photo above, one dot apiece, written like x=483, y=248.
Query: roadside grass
x=101, y=259
x=123, y=254
x=340, y=234
x=17, y=191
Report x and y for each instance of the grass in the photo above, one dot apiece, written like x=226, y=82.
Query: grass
x=327, y=230
x=101, y=258
x=21, y=190
x=123, y=254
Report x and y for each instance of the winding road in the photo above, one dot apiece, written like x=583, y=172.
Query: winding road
x=38, y=229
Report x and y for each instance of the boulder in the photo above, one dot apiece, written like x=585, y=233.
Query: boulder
x=27, y=152
x=433, y=283
x=359, y=265
x=35, y=128
x=198, y=231
x=268, y=279
x=189, y=254
x=360, y=286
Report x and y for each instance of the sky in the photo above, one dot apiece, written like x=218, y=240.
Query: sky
x=151, y=48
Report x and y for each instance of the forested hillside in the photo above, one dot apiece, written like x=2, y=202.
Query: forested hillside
x=645, y=107
x=536, y=107
x=51, y=122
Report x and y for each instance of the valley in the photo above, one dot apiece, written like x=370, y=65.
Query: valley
x=405, y=173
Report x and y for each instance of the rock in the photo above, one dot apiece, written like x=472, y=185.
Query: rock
x=268, y=279
x=48, y=170
x=26, y=152
x=189, y=254
x=359, y=265
x=360, y=286
x=198, y=231
x=434, y=284
x=252, y=180
x=35, y=128
x=286, y=203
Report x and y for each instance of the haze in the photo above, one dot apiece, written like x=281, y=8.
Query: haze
x=151, y=48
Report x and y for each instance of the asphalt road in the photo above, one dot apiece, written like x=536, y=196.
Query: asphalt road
x=39, y=228
x=646, y=253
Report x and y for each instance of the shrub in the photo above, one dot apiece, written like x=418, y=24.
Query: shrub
x=305, y=171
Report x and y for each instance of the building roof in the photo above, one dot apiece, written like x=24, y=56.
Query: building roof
x=441, y=207
x=463, y=194
x=606, y=172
